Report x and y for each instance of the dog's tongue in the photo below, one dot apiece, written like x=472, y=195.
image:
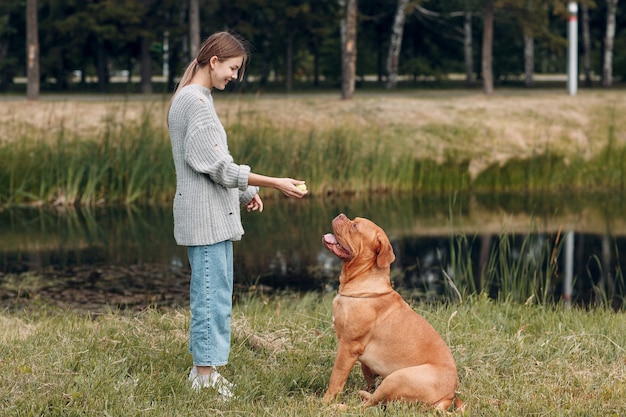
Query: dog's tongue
x=331, y=243
x=330, y=239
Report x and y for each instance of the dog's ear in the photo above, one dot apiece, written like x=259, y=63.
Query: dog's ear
x=385, y=252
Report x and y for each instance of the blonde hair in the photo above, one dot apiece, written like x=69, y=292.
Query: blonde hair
x=223, y=45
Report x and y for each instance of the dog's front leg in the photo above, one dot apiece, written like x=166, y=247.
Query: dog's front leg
x=344, y=361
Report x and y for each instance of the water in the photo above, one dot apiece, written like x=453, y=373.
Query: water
x=128, y=257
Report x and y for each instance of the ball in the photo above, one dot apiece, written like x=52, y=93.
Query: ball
x=301, y=187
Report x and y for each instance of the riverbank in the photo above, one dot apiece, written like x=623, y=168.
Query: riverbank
x=509, y=124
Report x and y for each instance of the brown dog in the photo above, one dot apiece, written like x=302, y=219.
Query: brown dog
x=375, y=326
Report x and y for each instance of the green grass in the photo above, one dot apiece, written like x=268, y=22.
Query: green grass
x=513, y=360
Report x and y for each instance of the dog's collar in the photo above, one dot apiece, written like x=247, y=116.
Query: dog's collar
x=364, y=295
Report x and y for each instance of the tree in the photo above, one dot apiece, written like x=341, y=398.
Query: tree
x=607, y=64
x=348, y=61
x=296, y=22
x=194, y=28
x=463, y=35
x=467, y=47
x=32, y=50
x=12, y=30
x=487, y=50
x=586, y=44
x=531, y=17
x=395, y=44
x=145, y=65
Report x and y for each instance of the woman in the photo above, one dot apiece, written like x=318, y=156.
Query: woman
x=210, y=187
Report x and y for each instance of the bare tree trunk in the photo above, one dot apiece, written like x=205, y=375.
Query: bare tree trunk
x=586, y=44
x=395, y=44
x=529, y=60
x=102, y=66
x=607, y=66
x=146, y=66
x=32, y=50
x=194, y=28
x=264, y=67
x=6, y=73
x=289, y=63
x=487, y=52
x=348, y=65
x=467, y=48
x=316, y=68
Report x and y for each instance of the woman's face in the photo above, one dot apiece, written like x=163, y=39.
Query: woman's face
x=224, y=71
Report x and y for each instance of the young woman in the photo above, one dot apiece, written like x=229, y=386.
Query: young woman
x=210, y=188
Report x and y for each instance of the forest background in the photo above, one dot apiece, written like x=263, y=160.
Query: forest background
x=143, y=45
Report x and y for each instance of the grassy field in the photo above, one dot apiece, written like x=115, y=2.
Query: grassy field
x=513, y=359
x=115, y=150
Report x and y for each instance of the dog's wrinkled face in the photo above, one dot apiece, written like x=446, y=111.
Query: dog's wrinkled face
x=359, y=238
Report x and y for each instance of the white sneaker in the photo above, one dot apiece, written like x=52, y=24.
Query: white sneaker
x=213, y=380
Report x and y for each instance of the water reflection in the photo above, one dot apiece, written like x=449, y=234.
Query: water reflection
x=132, y=250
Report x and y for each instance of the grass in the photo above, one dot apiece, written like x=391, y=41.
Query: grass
x=117, y=153
x=513, y=360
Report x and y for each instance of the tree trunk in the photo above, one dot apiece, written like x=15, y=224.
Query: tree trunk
x=487, y=53
x=289, y=63
x=194, y=28
x=32, y=50
x=6, y=72
x=348, y=64
x=467, y=48
x=529, y=60
x=102, y=67
x=586, y=44
x=146, y=67
x=607, y=66
x=395, y=44
x=316, y=68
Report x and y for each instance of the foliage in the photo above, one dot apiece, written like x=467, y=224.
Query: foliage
x=102, y=38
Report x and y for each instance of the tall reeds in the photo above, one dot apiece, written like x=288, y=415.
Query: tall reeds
x=123, y=164
x=130, y=162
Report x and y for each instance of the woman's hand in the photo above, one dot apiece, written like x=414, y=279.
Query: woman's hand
x=288, y=187
x=255, y=204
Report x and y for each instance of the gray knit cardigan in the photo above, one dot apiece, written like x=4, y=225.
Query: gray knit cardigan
x=210, y=187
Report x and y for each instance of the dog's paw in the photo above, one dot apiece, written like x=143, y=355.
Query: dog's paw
x=365, y=396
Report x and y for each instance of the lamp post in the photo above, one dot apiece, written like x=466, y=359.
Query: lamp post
x=572, y=36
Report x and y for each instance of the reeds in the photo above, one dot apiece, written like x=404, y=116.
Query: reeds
x=129, y=162
x=123, y=164
x=531, y=271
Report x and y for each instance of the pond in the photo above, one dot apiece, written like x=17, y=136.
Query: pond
x=127, y=258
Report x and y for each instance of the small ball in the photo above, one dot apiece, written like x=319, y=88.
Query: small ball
x=301, y=187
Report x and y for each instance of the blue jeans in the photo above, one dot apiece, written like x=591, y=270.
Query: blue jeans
x=211, y=302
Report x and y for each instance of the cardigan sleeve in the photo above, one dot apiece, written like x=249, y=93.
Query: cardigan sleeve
x=246, y=196
x=206, y=153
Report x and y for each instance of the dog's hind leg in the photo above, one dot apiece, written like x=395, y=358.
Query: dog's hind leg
x=426, y=384
x=370, y=377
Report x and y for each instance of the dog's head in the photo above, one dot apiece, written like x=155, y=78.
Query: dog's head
x=359, y=241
